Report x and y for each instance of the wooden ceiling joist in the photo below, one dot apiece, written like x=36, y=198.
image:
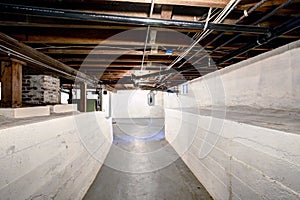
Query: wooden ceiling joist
x=74, y=34
x=141, y=21
x=197, y=3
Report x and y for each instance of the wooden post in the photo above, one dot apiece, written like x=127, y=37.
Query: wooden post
x=11, y=84
x=83, y=100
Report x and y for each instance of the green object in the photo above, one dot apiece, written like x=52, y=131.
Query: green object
x=90, y=104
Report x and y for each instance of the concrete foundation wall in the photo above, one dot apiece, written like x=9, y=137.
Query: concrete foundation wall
x=270, y=80
x=54, y=159
x=240, y=162
x=235, y=160
x=133, y=104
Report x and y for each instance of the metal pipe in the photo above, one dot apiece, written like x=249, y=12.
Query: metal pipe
x=234, y=37
x=27, y=59
x=255, y=23
x=147, y=35
x=252, y=9
x=278, y=31
x=142, y=21
x=274, y=11
x=237, y=35
x=14, y=48
x=230, y=6
x=145, y=47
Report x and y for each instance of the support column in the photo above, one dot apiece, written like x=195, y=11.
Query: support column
x=11, y=84
x=83, y=99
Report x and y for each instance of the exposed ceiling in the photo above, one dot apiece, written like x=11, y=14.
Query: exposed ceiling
x=106, y=39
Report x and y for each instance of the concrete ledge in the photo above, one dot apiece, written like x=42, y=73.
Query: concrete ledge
x=53, y=159
x=63, y=108
x=236, y=160
x=25, y=112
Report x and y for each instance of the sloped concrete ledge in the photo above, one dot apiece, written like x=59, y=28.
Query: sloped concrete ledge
x=53, y=159
x=236, y=160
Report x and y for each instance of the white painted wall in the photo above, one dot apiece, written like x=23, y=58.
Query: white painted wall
x=133, y=104
x=235, y=160
x=240, y=162
x=64, y=98
x=54, y=159
x=271, y=80
x=90, y=95
x=106, y=103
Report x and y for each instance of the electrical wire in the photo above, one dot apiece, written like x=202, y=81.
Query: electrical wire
x=241, y=18
x=147, y=36
x=219, y=19
x=229, y=7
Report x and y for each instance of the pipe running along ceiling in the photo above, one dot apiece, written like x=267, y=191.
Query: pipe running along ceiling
x=67, y=31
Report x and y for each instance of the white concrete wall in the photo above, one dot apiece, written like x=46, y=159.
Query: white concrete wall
x=271, y=80
x=133, y=104
x=54, y=159
x=240, y=162
x=235, y=160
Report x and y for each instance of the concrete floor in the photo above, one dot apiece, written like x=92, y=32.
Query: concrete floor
x=141, y=165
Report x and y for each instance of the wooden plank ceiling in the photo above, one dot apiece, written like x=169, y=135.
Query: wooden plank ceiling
x=112, y=52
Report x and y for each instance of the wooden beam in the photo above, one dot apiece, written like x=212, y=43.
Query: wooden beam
x=109, y=88
x=166, y=12
x=38, y=59
x=197, y=3
x=11, y=84
x=266, y=4
x=83, y=97
x=68, y=38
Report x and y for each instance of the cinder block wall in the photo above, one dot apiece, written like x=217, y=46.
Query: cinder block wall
x=238, y=160
x=53, y=159
x=40, y=89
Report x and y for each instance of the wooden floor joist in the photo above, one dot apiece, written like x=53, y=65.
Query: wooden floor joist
x=70, y=30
